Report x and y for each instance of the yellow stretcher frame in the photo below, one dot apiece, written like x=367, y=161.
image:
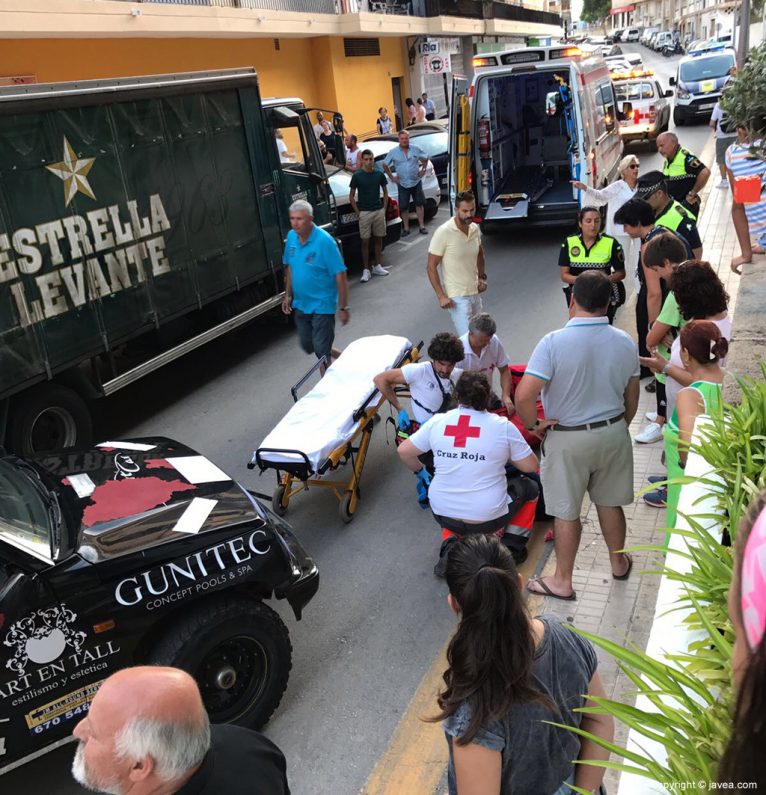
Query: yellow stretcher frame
x=291, y=481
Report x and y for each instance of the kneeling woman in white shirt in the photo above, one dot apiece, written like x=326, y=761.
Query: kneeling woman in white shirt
x=471, y=447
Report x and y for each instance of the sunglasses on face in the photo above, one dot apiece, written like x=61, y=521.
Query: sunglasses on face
x=633, y=165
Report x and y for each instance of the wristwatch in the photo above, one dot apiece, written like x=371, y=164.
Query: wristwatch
x=483, y=277
x=666, y=369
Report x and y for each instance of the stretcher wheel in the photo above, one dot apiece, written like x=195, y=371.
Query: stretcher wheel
x=344, y=508
x=279, y=508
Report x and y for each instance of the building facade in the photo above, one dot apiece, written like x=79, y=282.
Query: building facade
x=346, y=55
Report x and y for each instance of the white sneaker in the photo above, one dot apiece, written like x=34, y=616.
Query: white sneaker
x=651, y=416
x=652, y=433
x=365, y=275
x=723, y=184
x=379, y=270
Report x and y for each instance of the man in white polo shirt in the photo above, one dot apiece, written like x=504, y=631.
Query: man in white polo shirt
x=484, y=353
x=431, y=384
x=456, y=248
x=588, y=373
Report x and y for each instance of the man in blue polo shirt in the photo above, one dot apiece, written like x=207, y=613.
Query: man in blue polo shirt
x=409, y=163
x=315, y=282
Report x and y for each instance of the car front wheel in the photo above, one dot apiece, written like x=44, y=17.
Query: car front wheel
x=431, y=209
x=240, y=654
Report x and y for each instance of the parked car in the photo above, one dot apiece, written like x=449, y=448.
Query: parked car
x=348, y=224
x=618, y=34
x=632, y=34
x=138, y=551
x=663, y=39
x=650, y=106
x=437, y=125
x=381, y=145
x=433, y=138
x=646, y=36
x=699, y=81
x=634, y=59
x=618, y=63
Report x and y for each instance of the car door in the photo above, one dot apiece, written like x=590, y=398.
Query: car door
x=460, y=142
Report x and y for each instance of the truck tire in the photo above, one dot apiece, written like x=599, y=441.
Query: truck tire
x=48, y=418
x=240, y=654
x=678, y=119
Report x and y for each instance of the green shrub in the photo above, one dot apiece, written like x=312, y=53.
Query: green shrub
x=744, y=99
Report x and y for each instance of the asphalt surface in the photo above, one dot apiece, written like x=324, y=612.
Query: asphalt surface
x=380, y=617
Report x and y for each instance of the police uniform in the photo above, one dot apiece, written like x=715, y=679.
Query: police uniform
x=681, y=173
x=605, y=254
x=681, y=221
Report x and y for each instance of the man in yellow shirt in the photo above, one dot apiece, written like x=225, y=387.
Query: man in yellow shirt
x=456, y=247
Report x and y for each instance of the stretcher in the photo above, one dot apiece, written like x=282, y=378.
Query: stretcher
x=332, y=424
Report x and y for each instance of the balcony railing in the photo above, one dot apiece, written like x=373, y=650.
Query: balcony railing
x=474, y=9
x=303, y=6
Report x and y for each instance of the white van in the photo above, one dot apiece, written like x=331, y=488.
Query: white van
x=632, y=34
x=532, y=120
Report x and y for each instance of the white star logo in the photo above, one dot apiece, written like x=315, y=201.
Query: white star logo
x=74, y=173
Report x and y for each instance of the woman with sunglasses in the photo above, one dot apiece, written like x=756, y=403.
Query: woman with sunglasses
x=614, y=196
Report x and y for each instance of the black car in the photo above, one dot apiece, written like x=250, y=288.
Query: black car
x=435, y=143
x=348, y=224
x=138, y=551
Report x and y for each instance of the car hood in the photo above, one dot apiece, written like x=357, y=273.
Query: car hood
x=133, y=494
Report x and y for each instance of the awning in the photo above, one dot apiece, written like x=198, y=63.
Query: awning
x=622, y=10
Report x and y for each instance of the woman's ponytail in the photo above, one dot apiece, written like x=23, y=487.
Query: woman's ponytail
x=492, y=651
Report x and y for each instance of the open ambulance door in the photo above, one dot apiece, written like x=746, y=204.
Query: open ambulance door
x=459, y=140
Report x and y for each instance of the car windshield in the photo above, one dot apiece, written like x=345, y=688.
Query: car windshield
x=633, y=91
x=24, y=516
x=706, y=68
x=433, y=144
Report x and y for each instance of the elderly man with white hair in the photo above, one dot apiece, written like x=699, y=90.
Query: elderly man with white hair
x=147, y=733
x=315, y=282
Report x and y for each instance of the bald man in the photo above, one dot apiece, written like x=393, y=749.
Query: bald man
x=147, y=733
x=686, y=174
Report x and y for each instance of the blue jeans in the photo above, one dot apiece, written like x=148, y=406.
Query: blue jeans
x=465, y=307
x=316, y=333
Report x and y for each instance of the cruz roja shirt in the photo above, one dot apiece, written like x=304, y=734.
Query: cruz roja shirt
x=239, y=762
x=314, y=266
x=427, y=389
x=471, y=449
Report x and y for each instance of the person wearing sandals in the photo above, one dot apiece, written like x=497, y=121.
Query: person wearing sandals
x=588, y=374
x=510, y=677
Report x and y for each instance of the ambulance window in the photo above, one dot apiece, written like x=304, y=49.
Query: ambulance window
x=605, y=105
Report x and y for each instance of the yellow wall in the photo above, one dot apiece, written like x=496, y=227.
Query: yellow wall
x=314, y=69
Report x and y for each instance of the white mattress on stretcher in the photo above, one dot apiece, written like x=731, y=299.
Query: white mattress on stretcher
x=323, y=419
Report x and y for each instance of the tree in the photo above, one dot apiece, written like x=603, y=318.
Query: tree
x=595, y=11
x=744, y=98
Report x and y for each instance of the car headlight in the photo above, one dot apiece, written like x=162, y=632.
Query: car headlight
x=682, y=93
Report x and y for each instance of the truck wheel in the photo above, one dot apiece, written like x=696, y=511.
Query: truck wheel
x=239, y=652
x=48, y=418
x=678, y=119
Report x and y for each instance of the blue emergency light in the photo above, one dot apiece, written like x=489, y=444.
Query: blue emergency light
x=711, y=48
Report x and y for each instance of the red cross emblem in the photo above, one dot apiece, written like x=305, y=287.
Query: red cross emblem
x=462, y=431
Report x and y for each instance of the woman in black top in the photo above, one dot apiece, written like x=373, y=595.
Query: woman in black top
x=508, y=674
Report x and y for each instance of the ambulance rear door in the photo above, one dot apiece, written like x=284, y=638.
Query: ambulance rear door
x=459, y=139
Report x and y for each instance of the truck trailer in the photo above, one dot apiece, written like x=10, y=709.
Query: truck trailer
x=140, y=218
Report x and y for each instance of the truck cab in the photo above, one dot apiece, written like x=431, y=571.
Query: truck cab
x=531, y=121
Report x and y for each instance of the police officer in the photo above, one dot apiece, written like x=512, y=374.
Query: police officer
x=685, y=172
x=591, y=250
x=668, y=212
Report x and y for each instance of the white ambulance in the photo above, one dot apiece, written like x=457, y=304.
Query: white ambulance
x=532, y=120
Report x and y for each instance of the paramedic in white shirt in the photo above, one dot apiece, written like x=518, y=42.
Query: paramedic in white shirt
x=484, y=353
x=431, y=384
x=471, y=447
x=614, y=196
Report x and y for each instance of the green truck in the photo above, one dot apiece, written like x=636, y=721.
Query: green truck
x=139, y=219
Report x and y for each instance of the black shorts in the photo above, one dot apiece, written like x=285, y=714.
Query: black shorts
x=415, y=194
x=316, y=333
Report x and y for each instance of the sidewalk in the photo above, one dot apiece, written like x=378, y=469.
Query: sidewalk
x=623, y=611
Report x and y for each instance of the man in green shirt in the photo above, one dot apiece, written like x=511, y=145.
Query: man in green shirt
x=370, y=209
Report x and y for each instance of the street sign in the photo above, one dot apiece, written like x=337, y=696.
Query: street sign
x=430, y=47
x=436, y=64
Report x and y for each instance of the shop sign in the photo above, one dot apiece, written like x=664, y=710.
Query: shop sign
x=436, y=64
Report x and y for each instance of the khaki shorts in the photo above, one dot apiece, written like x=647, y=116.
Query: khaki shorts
x=599, y=462
x=372, y=223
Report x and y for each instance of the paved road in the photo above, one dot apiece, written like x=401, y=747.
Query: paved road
x=380, y=617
